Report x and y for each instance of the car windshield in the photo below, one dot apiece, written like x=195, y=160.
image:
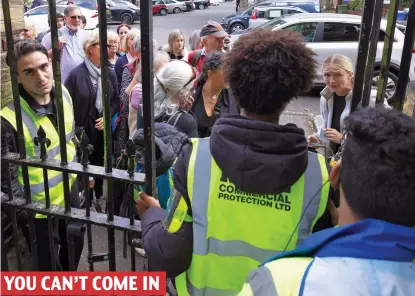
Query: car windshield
x=273, y=23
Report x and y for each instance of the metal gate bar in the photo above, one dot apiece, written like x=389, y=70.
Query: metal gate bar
x=387, y=51
x=146, y=26
x=369, y=35
x=408, y=48
x=19, y=121
x=83, y=170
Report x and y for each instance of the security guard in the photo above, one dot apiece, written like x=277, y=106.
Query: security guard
x=372, y=252
x=250, y=190
x=38, y=108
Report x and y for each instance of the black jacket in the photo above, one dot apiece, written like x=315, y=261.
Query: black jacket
x=83, y=96
x=226, y=105
x=119, y=68
x=278, y=153
x=168, y=144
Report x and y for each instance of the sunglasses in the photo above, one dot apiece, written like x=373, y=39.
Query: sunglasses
x=192, y=79
x=74, y=17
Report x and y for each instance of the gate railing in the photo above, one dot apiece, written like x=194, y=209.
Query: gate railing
x=369, y=33
x=110, y=221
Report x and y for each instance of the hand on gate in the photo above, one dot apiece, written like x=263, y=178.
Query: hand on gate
x=145, y=202
x=99, y=124
x=333, y=135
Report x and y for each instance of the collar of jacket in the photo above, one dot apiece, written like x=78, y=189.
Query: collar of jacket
x=40, y=110
x=366, y=239
x=133, y=65
x=328, y=94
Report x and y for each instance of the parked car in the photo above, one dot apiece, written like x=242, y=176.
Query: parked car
x=327, y=34
x=158, y=8
x=173, y=6
x=240, y=21
x=88, y=4
x=214, y=2
x=264, y=14
x=189, y=5
x=201, y=4
x=39, y=15
x=123, y=11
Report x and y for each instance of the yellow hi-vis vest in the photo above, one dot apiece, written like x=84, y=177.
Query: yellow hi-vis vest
x=235, y=231
x=31, y=124
x=282, y=277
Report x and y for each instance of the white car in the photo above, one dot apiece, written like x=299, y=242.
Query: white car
x=214, y=2
x=261, y=15
x=328, y=34
x=39, y=15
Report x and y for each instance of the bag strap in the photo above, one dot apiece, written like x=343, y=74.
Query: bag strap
x=177, y=114
x=196, y=56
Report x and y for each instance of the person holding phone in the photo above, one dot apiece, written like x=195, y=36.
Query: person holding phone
x=335, y=102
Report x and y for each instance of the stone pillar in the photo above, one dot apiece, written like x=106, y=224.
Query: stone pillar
x=16, y=12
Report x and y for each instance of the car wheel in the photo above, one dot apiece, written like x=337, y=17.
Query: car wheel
x=201, y=6
x=163, y=11
x=237, y=27
x=176, y=10
x=390, y=85
x=126, y=18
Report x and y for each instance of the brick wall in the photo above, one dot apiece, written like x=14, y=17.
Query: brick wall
x=16, y=12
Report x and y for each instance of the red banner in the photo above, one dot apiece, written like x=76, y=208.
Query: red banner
x=83, y=283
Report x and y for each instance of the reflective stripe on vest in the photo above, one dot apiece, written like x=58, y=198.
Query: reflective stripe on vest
x=31, y=124
x=230, y=250
x=283, y=277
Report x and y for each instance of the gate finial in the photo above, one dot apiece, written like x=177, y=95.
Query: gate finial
x=86, y=149
x=43, y=142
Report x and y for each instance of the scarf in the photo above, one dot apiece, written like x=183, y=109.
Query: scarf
x=95, y=75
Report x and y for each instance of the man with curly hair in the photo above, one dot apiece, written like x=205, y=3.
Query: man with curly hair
x=372, y=251
x=250, y=190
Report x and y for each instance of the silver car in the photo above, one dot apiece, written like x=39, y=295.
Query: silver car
x=327, y=34
x=173, y=6
x=261, y=15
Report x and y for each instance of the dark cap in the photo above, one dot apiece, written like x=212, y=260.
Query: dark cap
x=214, y=29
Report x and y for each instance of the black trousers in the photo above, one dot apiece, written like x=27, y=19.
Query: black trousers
x=60, y=241
x=61, y=245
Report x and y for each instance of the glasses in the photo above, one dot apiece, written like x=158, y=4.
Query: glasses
x=76, y=17
x=191, y=81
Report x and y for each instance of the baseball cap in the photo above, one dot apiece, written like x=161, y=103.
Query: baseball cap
x=214, y=29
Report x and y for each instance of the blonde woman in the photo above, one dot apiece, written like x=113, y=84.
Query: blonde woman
x=176, y=45
x=84, y=86
x=130, y=54
x=29, y=31
x=335, y=101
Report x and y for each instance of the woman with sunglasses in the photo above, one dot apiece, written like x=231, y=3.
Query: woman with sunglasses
x=84, y=86
x=212, y=97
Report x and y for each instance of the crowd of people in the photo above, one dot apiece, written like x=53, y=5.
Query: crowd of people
x=244, y=204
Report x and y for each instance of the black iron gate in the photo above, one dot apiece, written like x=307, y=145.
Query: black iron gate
x=361, y=92
x=110, y=175
x=371, y=18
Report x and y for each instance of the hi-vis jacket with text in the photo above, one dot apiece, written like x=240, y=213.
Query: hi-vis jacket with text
x=368, y=258
x=248, y=192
